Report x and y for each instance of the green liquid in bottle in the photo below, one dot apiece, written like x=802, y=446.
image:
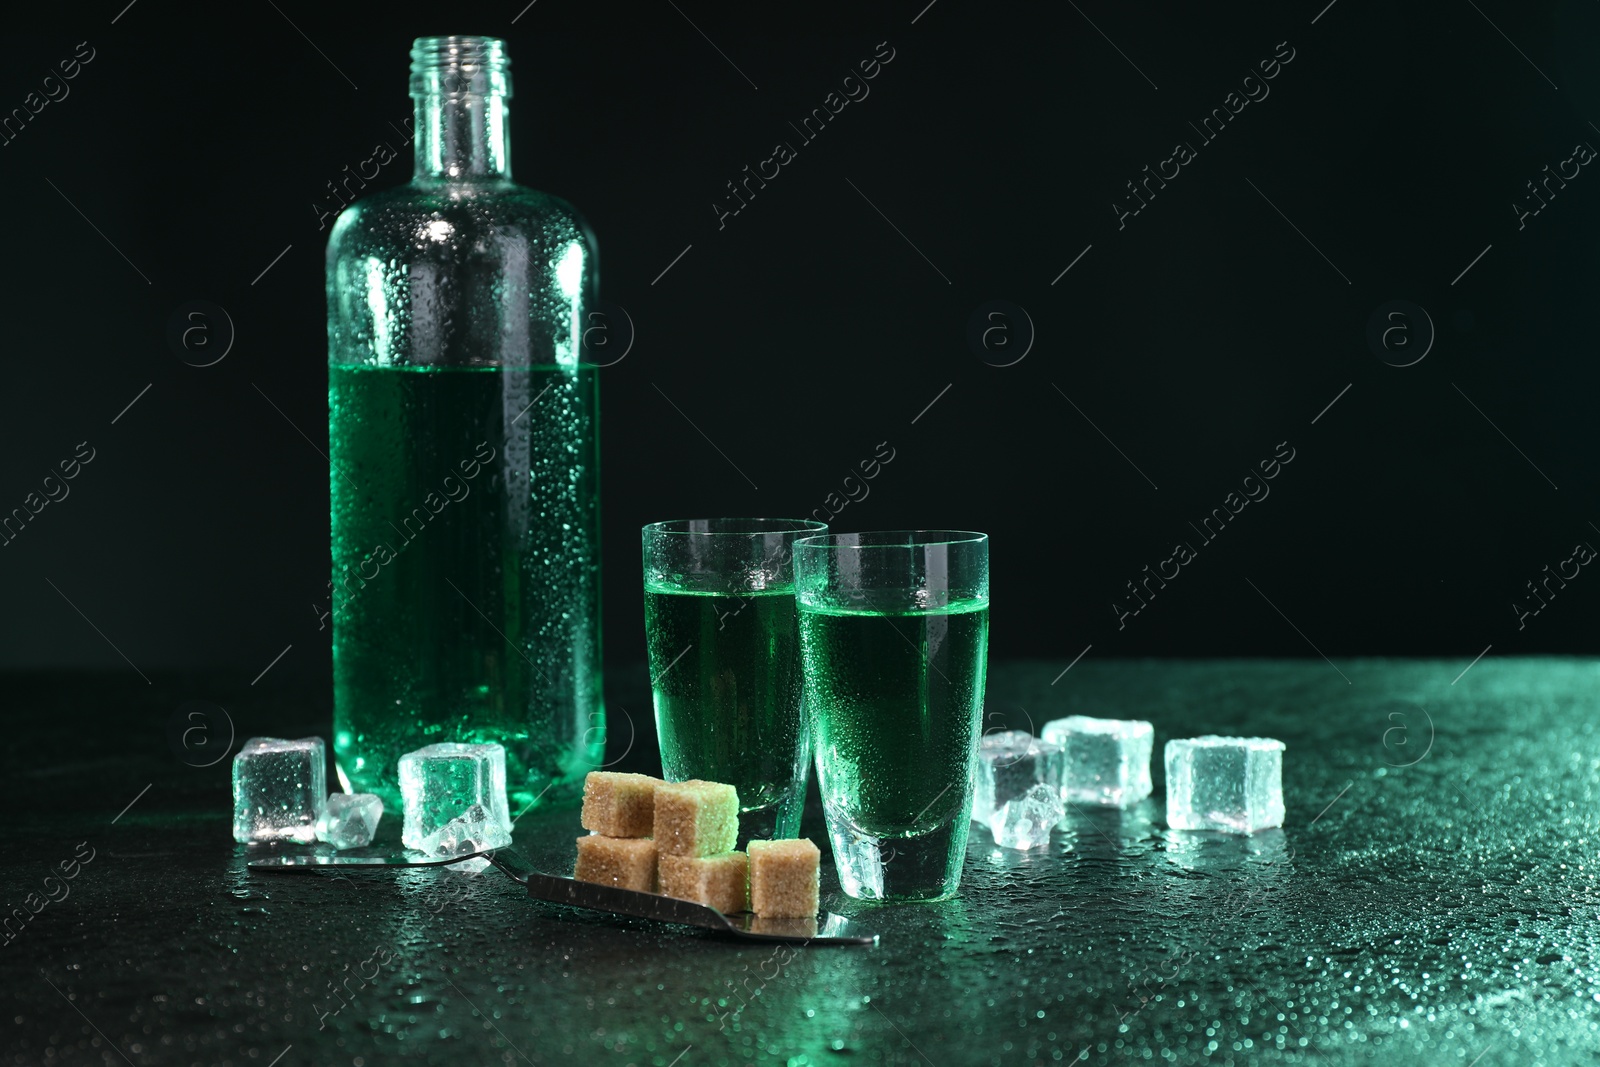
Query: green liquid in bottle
x=466, y=604
x=725, y=671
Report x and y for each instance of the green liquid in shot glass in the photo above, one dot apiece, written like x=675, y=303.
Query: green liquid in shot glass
x=896, y=700
x=726, y=681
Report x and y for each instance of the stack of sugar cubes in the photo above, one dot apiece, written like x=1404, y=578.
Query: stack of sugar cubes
x=454, y=796
x=1023, y=783
x=677, y=838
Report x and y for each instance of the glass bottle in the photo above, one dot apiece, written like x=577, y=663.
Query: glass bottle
x=464, y=453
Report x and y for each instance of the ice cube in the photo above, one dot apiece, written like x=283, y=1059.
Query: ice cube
x=1009, y=763
x=472, y=831
x=1025, y=822
x=349, y=820
x=1106, y=761
x=455, y=798
x=1233, y=784
x=279, y=789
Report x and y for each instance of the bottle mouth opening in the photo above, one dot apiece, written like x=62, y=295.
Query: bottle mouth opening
x=460, y=66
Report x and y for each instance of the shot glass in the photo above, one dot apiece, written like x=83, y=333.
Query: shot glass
x=894, y=631
x=724, y=648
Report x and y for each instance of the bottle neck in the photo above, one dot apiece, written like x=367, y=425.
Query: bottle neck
x=462, y=137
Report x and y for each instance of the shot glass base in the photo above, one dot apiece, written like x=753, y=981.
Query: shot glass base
x=775, y=822
x=899, y=869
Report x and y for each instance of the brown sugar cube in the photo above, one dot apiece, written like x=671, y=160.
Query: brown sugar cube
x=721, y=882
x=784, y=878
x=619, y=805
x=624, y=862
x=696, y=818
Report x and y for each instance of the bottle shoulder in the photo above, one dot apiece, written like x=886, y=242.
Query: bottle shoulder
x=426, y=216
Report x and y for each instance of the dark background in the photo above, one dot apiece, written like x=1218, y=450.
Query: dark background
x=829, y=314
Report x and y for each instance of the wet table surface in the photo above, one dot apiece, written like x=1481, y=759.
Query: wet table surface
x=1430, y=899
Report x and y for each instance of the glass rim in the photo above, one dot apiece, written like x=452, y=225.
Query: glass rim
x=735, y=527
x=877, y=539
